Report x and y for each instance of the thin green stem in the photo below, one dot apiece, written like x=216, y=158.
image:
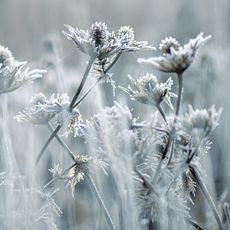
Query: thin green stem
x=47, y=143
x=90, y=63
x=207, y=196
x=180, y=89
x=100, y=201
x=62, y=143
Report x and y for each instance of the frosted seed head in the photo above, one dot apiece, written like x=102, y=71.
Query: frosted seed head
x=6, y=57
x=98, y=33
x=176, y=59
x=147, y=90
x=166, y=45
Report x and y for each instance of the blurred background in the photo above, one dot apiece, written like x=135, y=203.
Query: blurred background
x=32, y=31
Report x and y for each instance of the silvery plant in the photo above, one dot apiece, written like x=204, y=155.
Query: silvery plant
x=144, y=172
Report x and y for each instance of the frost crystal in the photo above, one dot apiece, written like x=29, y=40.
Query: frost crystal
x=148, y=90
x=12, y=73
x=176, y=59
x=101, y=43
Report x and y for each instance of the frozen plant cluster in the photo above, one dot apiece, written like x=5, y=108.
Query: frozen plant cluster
x=150, y=169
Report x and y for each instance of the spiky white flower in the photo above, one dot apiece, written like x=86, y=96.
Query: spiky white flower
x=101, y=43
x=42, y=109
x=81, y=169
x=204, y=120
x=148, y=90
x=176, y=59
x=12, y=73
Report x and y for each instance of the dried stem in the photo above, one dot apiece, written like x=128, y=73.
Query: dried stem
x=47, y=143
x=62, y=143
x=180, y=89
x=98, y=80
x=100, y=201
x=90, y=63
x=161, y=112
x=207, y=196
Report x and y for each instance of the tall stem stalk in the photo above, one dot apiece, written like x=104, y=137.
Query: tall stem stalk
x=47, y=143
x=62, y=143
x=207, y=196
x=100, y=201
x=180, y=89
x=90, y=63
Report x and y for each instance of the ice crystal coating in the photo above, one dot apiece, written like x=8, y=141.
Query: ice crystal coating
x=204, y=120
x=12, y=73
x=148, y=90
x=42, y=110
x=176, y=59
x=101, y=43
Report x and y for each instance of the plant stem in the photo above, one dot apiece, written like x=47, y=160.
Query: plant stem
x=90, y=63
x=194, y=224
x=207, y=196
x=104, y=73
x=150, y=186
x=47, y=143
x=62, y=143
x=100, y=201
x=87, y=92
x=113, y=62
x=162, y=112
x=180, y=89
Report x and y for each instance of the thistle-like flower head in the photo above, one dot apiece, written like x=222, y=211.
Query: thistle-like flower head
x=13, y=74
x=148, y=90
x=82, y=168
x=168, y=43
x=101, y=43
x=42, y=109
x=176, y=58
x=201, y=120
x=6, y=57
x=98, y=33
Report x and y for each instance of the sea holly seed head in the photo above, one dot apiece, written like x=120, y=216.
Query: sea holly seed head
x=98, y=33
x=126, y=33
x=168, y=43
x=176, y=58
x=6, y=57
